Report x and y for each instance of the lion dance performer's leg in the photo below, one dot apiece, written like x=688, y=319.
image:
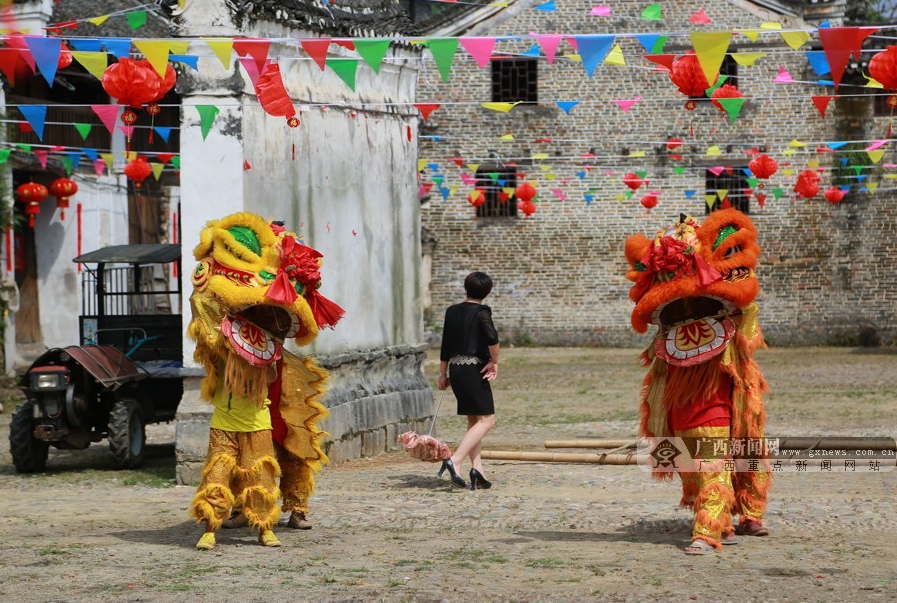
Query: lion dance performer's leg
x=214, y=497
x=255, y=480
x=297, y=483
x=709, y=493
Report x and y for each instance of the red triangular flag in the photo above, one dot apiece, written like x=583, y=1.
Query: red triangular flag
x=459, y=161
x=9, y=59
x=841, y=42
x=426, y=108
x=664, y=60
x=164, y=157
x=821, y=103
x=317, y=50
x=257, y=49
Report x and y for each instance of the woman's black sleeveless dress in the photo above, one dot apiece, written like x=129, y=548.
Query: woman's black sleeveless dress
x=467, y=334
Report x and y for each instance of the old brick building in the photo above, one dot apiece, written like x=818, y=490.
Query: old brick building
x=826, y=271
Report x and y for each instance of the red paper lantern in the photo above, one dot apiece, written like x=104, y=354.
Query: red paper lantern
x=31, y=194
x=807, y=184
x=525, y=192
x=688, y=76
x=65, y=58
x=138, y=170
x=649, y=201
x=833, y=195
x=476, y=198
x=527, y=207
x=883, y=67
x=724, y=91
x=133, y=83
x=763, y=166
x=632, y=181
x=62, y=189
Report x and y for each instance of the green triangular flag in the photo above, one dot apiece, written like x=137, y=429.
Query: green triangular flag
x=372, y=50
x=176, y=162
x=641, y=173
x=24, y=147
x=4, y=155
x=67, y=163
x=443, y=50
x=628, y=194
x=732, y=106
x=752, y=182
x=719, y=82
x=345, y=69
x=777, y=192
x=437, y=180
x=207, y=115
x=652, y=13
x=136, y=20
x=661, y=41
x=857, y=169
x=494, y=176
x=83, y=130
x=679, y=170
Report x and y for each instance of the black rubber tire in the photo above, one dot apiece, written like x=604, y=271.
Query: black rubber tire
x=127, y=434
x=29, y=454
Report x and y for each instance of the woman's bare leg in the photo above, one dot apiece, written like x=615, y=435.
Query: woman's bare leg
x=477, y=428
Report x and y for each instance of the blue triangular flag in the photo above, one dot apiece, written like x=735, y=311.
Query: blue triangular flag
x=532, y=52
x=91, y=153
x=648, y=41
x=86, y=44
x=825, y=24
x=120, y=47
x=36, y=116
x=433, y=166
x=75, y=156
x=845, y=188
x=837, y=144
x=445, y=192
x=593, y=49
x=437, y=138
x=844, y=160
x=689, y=194
x=581, y=175
x=828, y=83
x=747, y=172
x=501, y=182
x=187, y=59
x=548, y=6
x=567, y=105
x=163, y=132
x=861, y=177
x=818, y=62
x=46, y=55
x=588, y=198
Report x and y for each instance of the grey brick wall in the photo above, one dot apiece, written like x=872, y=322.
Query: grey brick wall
x=826, y=272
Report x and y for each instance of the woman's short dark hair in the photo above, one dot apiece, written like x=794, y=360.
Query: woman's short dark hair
x=477, y=285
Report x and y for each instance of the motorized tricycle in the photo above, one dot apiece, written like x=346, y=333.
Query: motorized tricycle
x=126, y=371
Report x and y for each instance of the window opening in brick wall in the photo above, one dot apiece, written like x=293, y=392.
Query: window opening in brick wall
x=735, y=184
x=497, y=184
x=515, y=79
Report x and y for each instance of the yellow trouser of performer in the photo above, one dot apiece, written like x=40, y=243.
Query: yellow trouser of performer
x=241, y=471
x=712, y=494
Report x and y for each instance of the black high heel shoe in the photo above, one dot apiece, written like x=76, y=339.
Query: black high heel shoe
x=477, y=480
x=456, y=479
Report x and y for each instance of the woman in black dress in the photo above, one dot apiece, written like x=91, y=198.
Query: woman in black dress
x=468, y=362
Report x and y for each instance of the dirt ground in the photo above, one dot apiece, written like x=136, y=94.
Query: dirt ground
x=386, y=529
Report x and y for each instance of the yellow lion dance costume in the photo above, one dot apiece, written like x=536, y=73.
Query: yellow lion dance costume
x=697, y=284
x=255, y=286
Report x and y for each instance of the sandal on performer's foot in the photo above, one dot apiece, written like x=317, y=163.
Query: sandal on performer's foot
x=699, y=547
x=752, y=527
x=729, y=538
x=267, y=538
x=207, y=542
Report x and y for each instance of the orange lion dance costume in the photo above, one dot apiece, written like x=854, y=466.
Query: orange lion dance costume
x=697, y=284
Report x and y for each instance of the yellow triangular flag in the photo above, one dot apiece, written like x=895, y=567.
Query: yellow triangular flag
x=813, y=164
x=549, y=176
x=130, y=156
x=178, y=47
x=621, y=197
x=574, y=57
x=222, y=47
x=722, y=193
x=890, y=176
x=544, y=167
x=749, y=33
x=876, y=155
x=98, y=20
x=156, y=52
x=540, y=156
x=501, y=107
x=94, y=62
x=506, y=137
x=796, y=144
x=473, y=167
x=872, y=186
x=157, y=169
x=636, y=154
x=711, y=47
x=713, y=151
x=871, y=82
x=500, y=4
x=770, y=25
x=535, y=183
x=789, y=152
x=787, y=172
x=109, y=158
x=748, y=58
x=615, y=56
x=453, y=190
x=710, y=200
x=795, y=39
x=508, y=190
x=421, y=164
x=182, y=4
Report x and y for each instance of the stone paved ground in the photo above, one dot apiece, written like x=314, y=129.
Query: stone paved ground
x=388, y=530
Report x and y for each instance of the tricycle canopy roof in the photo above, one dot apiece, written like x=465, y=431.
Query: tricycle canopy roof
x=132, y=254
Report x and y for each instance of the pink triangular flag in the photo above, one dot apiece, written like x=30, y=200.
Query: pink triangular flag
x=716, y=171
x=783, y=77
x=468, y=179
x=700, y=18
x=559, y=194
x=600, y=11
x=479, y=48
x=107, y=114
x=871, y=147
x=99, y=166
x=128, y=130
x=549, y=44
x=41, y=155
x=252, y=69
x=626, y=105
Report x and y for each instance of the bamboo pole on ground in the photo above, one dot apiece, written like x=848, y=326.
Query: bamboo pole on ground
x=785, y=443
x=590, y=443
x=561, y=457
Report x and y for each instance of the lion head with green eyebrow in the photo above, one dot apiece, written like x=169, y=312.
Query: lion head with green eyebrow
x=255, y=286
x=689, y=279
